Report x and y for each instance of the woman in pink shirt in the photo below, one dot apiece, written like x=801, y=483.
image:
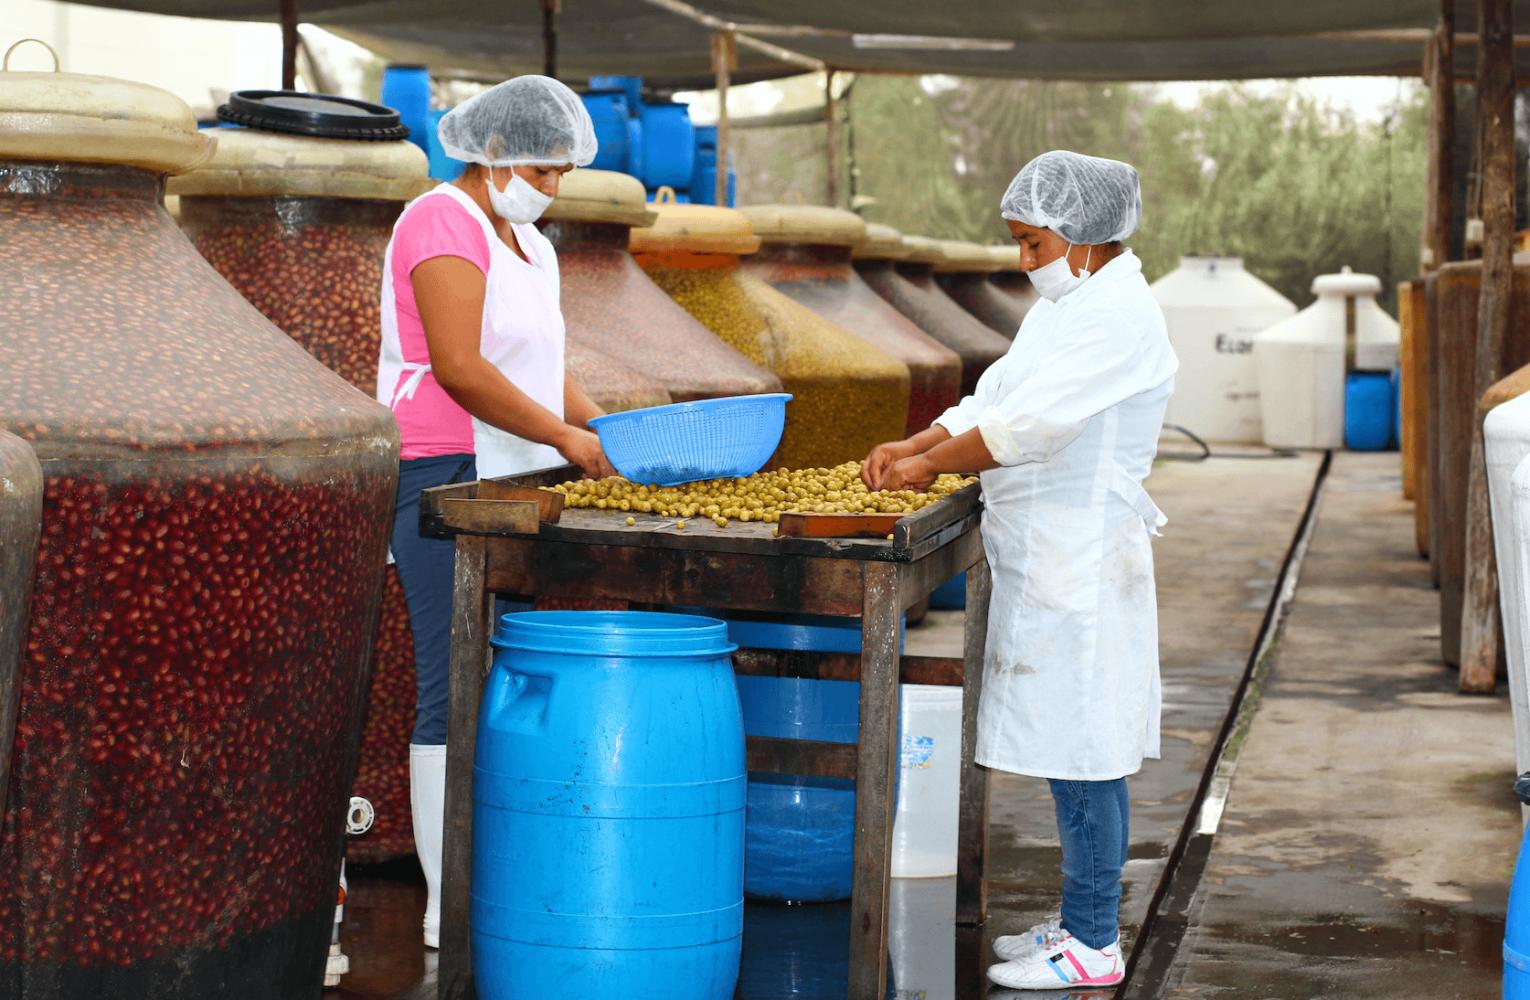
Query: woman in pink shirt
x=472, y=367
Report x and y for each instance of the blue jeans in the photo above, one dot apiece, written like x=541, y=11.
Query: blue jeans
x=426, y=567
x=1093, y=822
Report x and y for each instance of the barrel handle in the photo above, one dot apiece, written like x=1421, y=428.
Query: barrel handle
x=517, y=701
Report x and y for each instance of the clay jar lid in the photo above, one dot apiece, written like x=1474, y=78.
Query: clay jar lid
x=882, y=243
x=806, y=224
x=600, y=196
x=966, y=258
x=705, y=229
x=1005, y=258
x=74, y=118
x=250, y=164
x=923, y=250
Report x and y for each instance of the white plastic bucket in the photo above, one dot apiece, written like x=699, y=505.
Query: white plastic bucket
x=929, y=782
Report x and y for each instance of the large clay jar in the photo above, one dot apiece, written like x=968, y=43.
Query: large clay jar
x=613, y=309
x=215, y=521
x=299, y=226
x=909, y=286
x=1453, y=292
x=1009, y=279
x=847, y=396
x=963, y=273
x=20, y=515
x=806, y=253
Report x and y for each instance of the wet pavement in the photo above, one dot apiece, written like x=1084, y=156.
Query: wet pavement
x=1369, y=832
x=1370, y=835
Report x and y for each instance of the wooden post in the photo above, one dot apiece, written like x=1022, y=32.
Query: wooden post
x=972, y=824
x=1439, y=59
x=472, y=623
x=876, y=764
x=724, y=58
x=289, y=16
x=550, y=37
x=1495, y=90
x=831, y=120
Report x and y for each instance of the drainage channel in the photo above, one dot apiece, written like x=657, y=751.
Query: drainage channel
x=1173, y=902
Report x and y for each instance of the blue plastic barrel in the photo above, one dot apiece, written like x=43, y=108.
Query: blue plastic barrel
x=608, y=111
x=635, y=147
x=442, y=167
x=800, y=840
x=406, y=89
x=1368, y=411
x=630, y=87
x=951, y=595
x=1516, y=931
x=608, y=809
x=669, y=145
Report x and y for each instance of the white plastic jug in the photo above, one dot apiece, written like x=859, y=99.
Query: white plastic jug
x=929, y=782
x=1506, y=432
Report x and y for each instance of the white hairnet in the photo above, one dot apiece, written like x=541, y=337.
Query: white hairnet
x=1083, y=199
x=530, y=120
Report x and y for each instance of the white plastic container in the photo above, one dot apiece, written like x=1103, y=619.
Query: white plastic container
x=921, y=927
x=1506, y=432
x=1301, y=361
x=1215, y=309
x=929, y=782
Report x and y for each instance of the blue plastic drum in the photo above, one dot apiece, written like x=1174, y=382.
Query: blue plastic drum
x=406, y=89
x=1368, y=411
x=1516, y=932
x=669, y=145
x=608, y=112
x=608, y=809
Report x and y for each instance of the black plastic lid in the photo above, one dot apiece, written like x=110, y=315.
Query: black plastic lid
x=318, y=115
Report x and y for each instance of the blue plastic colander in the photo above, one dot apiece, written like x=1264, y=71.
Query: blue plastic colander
x=683, y=442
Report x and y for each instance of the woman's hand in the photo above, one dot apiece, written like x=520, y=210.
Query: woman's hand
x=881, y=459
x=916, y=472
x=582, y=448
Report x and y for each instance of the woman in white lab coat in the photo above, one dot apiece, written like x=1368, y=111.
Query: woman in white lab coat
x=1064, y=429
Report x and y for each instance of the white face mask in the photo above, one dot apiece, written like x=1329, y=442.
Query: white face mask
x=1054, y=280
x=519, y=201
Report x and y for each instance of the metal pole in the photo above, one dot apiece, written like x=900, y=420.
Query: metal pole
x=289, y=14
x=550, y=37
x=723, y=53
x=831, y=119
x=1440, y=68
x=1495, y=314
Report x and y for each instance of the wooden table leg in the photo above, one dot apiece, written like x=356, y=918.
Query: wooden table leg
x=972, y=830
x=472, y=625
x=876, y=767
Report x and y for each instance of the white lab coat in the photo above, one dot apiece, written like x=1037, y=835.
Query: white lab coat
x=1072, y=414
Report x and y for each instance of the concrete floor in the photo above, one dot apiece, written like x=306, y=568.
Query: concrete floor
x=1366, y=846
x=1369, y=839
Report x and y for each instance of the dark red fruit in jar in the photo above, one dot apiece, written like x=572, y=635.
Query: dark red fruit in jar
x=20, y=518
x=215, y=517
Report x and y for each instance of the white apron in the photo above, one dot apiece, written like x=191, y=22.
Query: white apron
x=1073, y=413
x=523, y=337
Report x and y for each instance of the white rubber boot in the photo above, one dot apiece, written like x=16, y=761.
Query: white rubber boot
x=427, y=800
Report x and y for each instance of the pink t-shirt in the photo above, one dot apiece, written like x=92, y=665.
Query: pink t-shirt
x=432, y=423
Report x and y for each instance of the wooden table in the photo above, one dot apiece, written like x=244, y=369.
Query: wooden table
x=502, y=549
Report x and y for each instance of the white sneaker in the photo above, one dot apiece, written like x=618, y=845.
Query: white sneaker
x=1063, y=962
x=1016, y=946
